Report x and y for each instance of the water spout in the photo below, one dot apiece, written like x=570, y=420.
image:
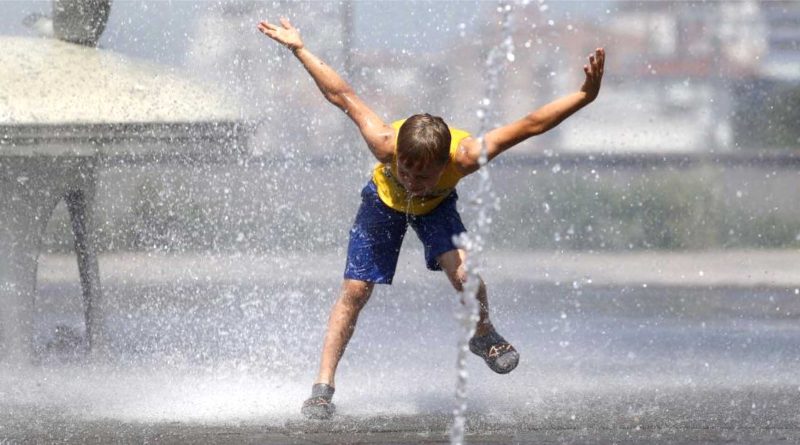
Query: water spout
x=483, y=201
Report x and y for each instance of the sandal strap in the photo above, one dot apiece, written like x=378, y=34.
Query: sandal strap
x=322, y=390
x=317, y=401
x=492, y=345
x=499, y=349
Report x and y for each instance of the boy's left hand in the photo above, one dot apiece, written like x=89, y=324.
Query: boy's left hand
x=594, y=74
x=286, y=34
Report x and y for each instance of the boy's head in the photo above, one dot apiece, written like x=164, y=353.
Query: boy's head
x=423, y=150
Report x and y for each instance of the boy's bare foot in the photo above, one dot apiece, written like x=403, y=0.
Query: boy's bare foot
x=501, y=357
x=319, y=405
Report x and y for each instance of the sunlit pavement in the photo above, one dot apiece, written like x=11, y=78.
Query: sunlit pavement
x=224, y=350
x=412, y=430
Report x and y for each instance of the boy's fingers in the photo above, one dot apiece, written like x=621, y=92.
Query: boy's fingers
x=285, y=22
x=598, y=57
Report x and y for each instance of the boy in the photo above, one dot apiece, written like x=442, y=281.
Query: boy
x=420, y=160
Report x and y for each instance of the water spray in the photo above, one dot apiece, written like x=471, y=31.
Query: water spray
x=483, y=201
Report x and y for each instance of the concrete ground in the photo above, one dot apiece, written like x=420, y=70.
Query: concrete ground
x=677, y=348
x=413, y=430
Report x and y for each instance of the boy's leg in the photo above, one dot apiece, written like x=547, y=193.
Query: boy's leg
x=375, y=240
x=372, y=252
x=341, y=325
x=498, y=354
x=452, y=262
x=436, y=230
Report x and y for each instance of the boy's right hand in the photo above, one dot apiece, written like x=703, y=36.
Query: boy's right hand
x=594, y=73
x=286, y=34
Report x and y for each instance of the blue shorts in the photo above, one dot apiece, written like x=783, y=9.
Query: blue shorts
x=378, y=232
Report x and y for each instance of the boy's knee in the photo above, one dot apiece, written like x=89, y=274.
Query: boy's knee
x=460, y=277
x=355, y=294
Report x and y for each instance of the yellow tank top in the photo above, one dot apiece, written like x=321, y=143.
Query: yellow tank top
x=394, y=195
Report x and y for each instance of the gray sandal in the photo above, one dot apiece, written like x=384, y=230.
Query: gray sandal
x=319, y=405
x=501, y=357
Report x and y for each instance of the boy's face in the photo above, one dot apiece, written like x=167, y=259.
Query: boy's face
x=418, y=177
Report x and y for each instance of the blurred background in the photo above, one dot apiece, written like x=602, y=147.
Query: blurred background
x=693, y=142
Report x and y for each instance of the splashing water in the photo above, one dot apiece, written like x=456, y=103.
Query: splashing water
x=483, y=201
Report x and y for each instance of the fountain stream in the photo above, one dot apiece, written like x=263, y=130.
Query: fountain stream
x=483, y=201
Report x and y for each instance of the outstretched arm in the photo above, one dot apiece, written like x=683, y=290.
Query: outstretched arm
x=537, y=122
x=379, y=137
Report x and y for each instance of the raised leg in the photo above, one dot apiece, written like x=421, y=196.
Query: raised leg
x=452, y=262
x=498, y=354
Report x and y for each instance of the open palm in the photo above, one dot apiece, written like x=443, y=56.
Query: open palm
x=285, y=34
x=594, y=73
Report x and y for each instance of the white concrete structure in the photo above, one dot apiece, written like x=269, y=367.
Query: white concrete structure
x=65, y=111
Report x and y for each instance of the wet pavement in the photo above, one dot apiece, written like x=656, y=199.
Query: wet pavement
x=411, y=430
x=227, y=358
